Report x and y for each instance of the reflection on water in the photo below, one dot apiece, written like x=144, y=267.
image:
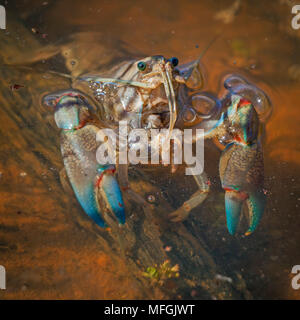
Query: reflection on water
x=37, y=239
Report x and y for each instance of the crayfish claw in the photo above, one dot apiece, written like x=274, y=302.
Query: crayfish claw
x=242, y=166
x=256, y=204
x=94, y=185
x=233, y=207
x=108, y=191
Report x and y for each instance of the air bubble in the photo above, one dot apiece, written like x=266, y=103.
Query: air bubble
x=202, y=104
x=233, y=81
x=189, y=115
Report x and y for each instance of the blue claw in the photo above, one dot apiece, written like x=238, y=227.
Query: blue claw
x=256, y=205
x=241, y=172
x=94, y=185
x=110, y=191
x=242, y=166
x=234, y=200
x=233, y=207
x=86, y=195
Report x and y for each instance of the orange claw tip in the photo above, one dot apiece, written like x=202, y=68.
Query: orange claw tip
x=248, y=233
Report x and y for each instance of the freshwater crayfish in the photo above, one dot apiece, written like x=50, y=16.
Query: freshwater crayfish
x=158, y=93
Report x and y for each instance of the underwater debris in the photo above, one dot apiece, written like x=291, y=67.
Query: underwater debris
x=228, y=15
x=194, y=293
x=294, y=72
x=16, y=87
x=223, y=278
x=34, y=30
x=168, y=248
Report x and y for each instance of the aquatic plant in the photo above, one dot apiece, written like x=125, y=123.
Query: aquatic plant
x=160, y=274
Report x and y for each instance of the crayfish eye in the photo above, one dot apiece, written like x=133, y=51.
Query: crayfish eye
x=174, y=61
x=141, y=65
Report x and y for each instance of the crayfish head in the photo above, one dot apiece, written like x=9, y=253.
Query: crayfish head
x=172, y=86
x=159, y=75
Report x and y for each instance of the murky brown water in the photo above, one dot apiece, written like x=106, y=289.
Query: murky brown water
x=37, y=240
